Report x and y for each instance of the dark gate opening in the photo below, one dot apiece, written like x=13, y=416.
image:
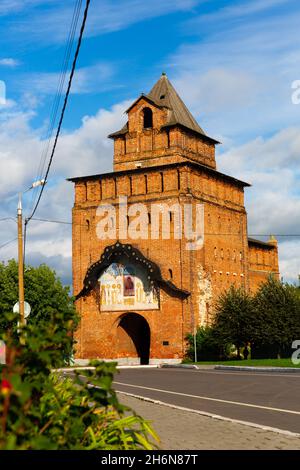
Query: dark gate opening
x=137, y=329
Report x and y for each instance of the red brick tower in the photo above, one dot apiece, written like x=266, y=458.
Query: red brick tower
x=139, y=296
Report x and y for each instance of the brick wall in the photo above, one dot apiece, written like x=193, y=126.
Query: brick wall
x=263, y=261
x=205, y=273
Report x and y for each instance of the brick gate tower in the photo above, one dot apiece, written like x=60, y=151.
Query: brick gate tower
x=142, y=281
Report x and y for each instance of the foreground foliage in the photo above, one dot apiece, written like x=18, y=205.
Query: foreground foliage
x=42, y=409
x=52, y=307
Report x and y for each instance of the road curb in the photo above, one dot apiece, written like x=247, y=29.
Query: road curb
x=70, y=369
x=259, y=369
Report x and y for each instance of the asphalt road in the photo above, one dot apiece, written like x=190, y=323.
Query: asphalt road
x=269, y=399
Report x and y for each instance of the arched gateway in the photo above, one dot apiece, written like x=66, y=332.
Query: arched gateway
x=128, y=292
x=133, y=337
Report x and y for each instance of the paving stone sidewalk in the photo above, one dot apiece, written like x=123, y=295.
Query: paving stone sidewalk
x=180, y=429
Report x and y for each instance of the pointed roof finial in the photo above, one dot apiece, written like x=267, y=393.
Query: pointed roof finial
x=164, y=74
x=272, y=240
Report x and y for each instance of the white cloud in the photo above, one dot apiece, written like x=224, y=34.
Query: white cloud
x=6, y=104
x=9, y=62
x=218, y=89
x=237, y=10
x=273, y=202
x=86, y=80
x=83, y=151
x=289, y=260
x=18, y=6
x=237, y=77
x=105, y=16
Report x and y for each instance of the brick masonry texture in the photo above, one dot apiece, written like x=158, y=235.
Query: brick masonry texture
x=165, y=165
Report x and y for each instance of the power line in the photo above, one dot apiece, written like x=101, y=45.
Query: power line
x=64, y=107
x=206, y=233
x=8, y=218
x=7, y=243
x=57, y=98
x=53, y=221
x=27, y=220
x=275, y=235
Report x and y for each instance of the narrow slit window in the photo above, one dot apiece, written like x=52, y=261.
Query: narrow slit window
x=162, y=182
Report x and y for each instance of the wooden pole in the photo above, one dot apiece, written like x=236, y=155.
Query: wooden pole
x=21, y=261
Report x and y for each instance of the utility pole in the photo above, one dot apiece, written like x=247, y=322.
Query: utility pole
x=20, y=251
x=21, y=260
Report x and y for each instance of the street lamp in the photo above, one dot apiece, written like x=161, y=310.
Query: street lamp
x=35, y=184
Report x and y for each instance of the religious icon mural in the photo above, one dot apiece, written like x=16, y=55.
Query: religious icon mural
x=126, y=287
x=128, y=277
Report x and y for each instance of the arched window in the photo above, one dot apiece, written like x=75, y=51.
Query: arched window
x=170, y=273
x=148, y=118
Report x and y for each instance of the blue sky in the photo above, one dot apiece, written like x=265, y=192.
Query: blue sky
x=233, y=63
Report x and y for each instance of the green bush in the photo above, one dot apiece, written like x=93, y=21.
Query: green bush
x=277, y=319
x=233, y=317
x=51, y=304
x=207, y=344
x=268, y=322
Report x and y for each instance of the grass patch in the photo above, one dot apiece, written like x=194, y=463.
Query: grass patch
x=250, y=362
